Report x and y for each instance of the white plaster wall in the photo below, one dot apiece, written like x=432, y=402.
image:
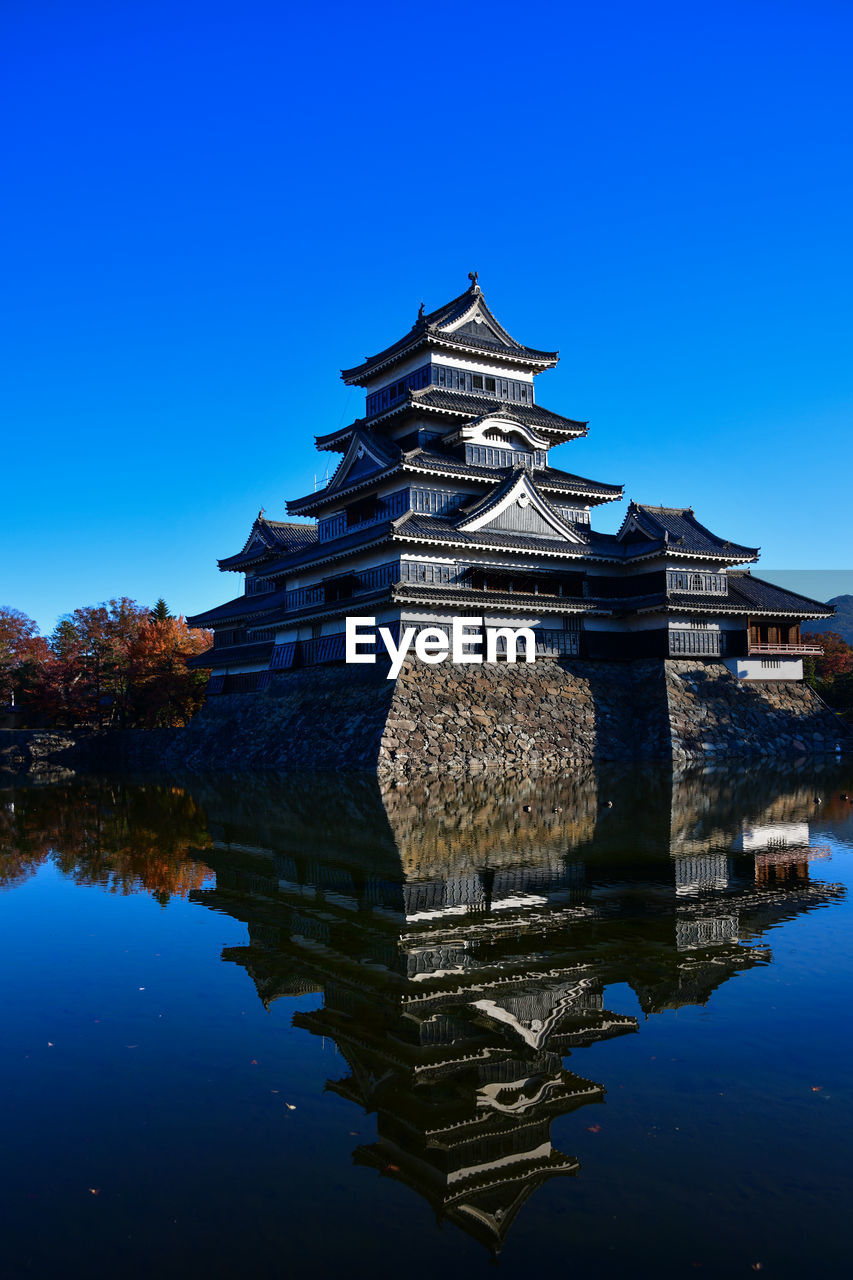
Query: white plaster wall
x=471, y=364
x=754, y=668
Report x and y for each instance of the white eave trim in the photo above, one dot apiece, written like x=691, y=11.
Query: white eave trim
x=504, y=604
x=564, y=552
x=414, y=469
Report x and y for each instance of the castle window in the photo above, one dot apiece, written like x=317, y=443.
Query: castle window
x=477, y=381
x=490, y=384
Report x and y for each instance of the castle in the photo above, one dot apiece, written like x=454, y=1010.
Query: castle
x=445, y=504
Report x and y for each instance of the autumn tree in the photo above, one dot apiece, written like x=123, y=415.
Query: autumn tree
x=92, y=645
x=165, y=690
x=832, y=673
x=22, y=649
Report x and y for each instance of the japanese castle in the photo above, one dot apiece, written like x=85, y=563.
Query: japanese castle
x=445, y=504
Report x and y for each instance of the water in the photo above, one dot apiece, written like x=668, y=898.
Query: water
x=302, y=1027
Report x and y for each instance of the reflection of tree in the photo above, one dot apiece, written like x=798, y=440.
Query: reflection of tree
x=125, y=839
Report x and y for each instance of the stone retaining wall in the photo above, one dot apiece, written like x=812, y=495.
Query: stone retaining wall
x=459, y=719
x=712, y=713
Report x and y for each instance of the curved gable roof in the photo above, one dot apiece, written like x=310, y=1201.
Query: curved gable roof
x=678, y=530
x=455, y=324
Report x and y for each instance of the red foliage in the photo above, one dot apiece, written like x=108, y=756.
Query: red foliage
x=108, y=664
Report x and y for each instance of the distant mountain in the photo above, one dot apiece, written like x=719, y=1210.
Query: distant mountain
x=841, y=624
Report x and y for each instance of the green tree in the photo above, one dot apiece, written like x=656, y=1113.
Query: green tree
x=160, y=612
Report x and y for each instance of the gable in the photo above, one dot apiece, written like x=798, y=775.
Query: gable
x=520, y=508
x=522, y=517
x=360, y=460
x=477, y=328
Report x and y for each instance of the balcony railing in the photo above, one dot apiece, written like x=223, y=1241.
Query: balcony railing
x=755, y=650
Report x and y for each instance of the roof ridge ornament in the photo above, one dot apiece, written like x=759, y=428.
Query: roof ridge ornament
x=474, y=276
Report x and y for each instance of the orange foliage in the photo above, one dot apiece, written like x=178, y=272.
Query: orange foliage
x=125, y=839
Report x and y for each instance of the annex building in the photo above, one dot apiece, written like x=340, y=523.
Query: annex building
x=445, y=503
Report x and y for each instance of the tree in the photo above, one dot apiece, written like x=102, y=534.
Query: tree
x=165, y=690
x=106, y=665
x=20, y=644
x=160, y=612
x=831, y=674
x=92, y=647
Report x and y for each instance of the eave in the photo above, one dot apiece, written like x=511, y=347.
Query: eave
x=316, y=501
x=527, y=358
x=509, y=602
x=220, y=615
x=560, y=553
x=306, y=565
x=480, y=406
x=595, y=496
x=728, y=610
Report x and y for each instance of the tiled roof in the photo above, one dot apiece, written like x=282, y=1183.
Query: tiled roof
x=513, y=602
x=441, y=529
x=431, y=326
x=431, y=461
x=677, y=529
x=240, y=608
x=766, y=597
x=746, y=595
x=462, y=404
x=289, y=534
x=329, y=550
x=544, y=477
x=275, y=536
x=238, y=653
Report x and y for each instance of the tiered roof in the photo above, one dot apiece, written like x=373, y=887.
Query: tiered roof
x=676, y=530
x=391, y=460
x=464, y=325
x=270, y=537
x=460, y=405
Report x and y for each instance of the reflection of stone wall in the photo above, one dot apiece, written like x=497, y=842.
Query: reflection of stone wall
x=462, y=823
x=711, y=713
x=709, y=807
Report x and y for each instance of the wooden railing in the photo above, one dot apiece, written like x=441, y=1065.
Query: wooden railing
x=755, y=650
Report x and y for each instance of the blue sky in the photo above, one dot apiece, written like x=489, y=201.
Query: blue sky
x=212, y=208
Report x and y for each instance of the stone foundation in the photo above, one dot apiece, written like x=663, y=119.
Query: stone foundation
x=712, y=713
x=460, y=719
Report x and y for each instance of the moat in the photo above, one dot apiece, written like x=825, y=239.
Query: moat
x=322, y=1026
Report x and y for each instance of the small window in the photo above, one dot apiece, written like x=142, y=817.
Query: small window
x=477, y=381
x=490, y=384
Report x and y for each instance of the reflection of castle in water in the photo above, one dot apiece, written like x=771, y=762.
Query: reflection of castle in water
x=463, y=947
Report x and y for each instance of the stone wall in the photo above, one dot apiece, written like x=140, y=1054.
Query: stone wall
x=712, y=713
x=462, y=719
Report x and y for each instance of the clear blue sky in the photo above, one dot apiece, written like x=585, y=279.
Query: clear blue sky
x=211, y=208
